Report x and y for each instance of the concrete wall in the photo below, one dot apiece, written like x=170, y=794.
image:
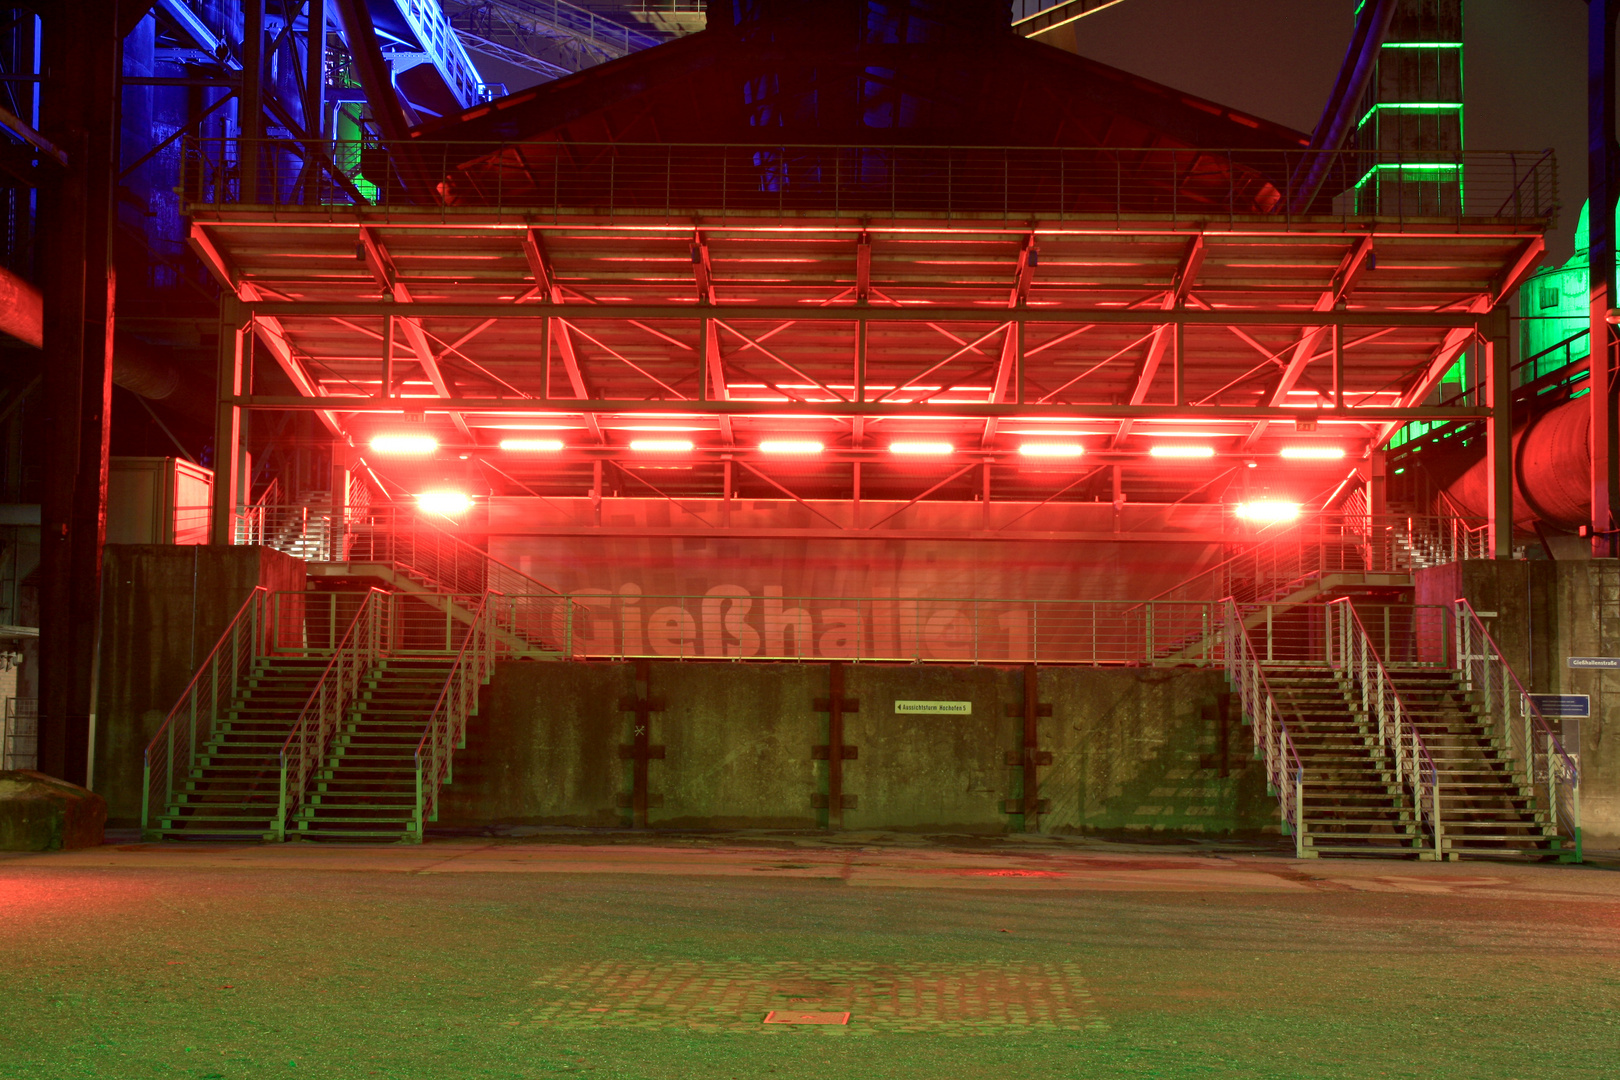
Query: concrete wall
x=1547, y=612
x=163, y=609
x=1132, y=749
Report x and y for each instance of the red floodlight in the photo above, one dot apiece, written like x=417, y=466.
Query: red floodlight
x=448, y=503
x=1268, y=511
x=404, y=444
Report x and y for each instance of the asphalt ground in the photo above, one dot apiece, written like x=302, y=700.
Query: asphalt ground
x=643, y=956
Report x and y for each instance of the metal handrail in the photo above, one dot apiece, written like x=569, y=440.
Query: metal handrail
x=1326, y=542
x=1415, y=769
x=444, y=561
x=446, y=729
x=365, y=641
x=1537, y=754
x=775, y=178
x=212, y=688
x=1285, y=772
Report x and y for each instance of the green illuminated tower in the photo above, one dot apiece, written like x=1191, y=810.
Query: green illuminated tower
x=1411, y=125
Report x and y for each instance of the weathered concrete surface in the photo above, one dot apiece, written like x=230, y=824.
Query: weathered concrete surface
x=542, y=749
x=165, y=607
x=1133, y=749
x=42, y=813
x=1141, y=750
x=1546, y=613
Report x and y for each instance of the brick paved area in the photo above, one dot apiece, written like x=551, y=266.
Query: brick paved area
x=943, y=999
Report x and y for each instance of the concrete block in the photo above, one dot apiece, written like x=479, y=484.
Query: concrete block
x=41, y=813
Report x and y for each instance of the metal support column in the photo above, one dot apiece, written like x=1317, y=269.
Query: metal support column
x=84, y=54
x=250, y=107
x=1602, y=163
x=1499, y=432
x=233, y=343
x=1029, y=758
x=641, y=749
x=835, y=752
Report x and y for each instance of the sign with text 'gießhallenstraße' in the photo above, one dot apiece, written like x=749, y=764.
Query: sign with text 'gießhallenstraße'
x=951, y=708
x=1602, y=663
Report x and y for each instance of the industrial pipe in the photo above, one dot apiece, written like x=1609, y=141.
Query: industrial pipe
x=1552, y=481
x=138, y=366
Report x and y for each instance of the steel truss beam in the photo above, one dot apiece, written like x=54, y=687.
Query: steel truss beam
x=1366, y=414
x=1426, y=320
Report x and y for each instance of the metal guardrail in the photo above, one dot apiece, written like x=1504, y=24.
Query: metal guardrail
x=1326, y=543
x=1537, y=756
x=1285, y=772
x=432, y=559
x=213, y=689
x=765, y=180
x=446, y=729
x=1352, y=653
x=730, y=623
x=362, y=645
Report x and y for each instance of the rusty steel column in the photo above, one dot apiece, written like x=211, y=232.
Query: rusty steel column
x=1602, y=161
x=835, y=751
x=80, y=114
x=234, y=340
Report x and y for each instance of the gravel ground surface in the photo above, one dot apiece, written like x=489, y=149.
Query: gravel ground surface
x=560, y=953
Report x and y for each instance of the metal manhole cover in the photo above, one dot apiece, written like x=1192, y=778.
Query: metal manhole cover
x=783, y=1016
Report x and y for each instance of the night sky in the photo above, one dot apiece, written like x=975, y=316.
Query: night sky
x=1524, y=68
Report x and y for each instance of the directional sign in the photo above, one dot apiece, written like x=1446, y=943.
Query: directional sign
x=1563, y=704
x=1610, y=663
x=952, y=708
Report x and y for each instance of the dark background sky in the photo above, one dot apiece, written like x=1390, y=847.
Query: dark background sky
x=1524, y=68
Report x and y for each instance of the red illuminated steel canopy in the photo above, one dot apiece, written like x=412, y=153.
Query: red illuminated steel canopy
x=1106, y=284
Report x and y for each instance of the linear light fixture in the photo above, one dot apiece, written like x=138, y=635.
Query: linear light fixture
x=661, y=446
x=921, y=449
x=1313, y=453
x=790, y=446
x=1268, y=510
x=1051, y=450
x=521, y=445
x=1182, y=450
x=404, y=444
x=448, y=503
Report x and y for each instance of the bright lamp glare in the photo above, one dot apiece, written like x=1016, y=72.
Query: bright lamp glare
x=661, y=446
x=789, y=446
x=531, y=444
x=448, y=503
x=404, y=444
x=1182, y=450
x=921, y=448
x=1268, y=510
x=1051, y=450
x=1313, y=453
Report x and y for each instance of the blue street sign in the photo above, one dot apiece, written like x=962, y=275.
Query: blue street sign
x=1611, y=663
x=1563, y=704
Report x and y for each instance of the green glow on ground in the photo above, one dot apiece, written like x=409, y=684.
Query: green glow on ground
x=216, y=967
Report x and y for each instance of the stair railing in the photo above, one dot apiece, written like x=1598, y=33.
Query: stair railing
x=1537, y=755
x=1285, y=773
x=1351, y=652
x=212, y=690
x=447, y=727
x=447, y=563
x=366, y=640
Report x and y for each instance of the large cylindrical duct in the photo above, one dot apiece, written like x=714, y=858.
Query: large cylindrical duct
x=1552, y=471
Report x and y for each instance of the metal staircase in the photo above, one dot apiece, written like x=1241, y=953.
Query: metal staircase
x=323, y=715
x=232, y=786
x=367, y=786
x=1352, y=802
x=1487, y=807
